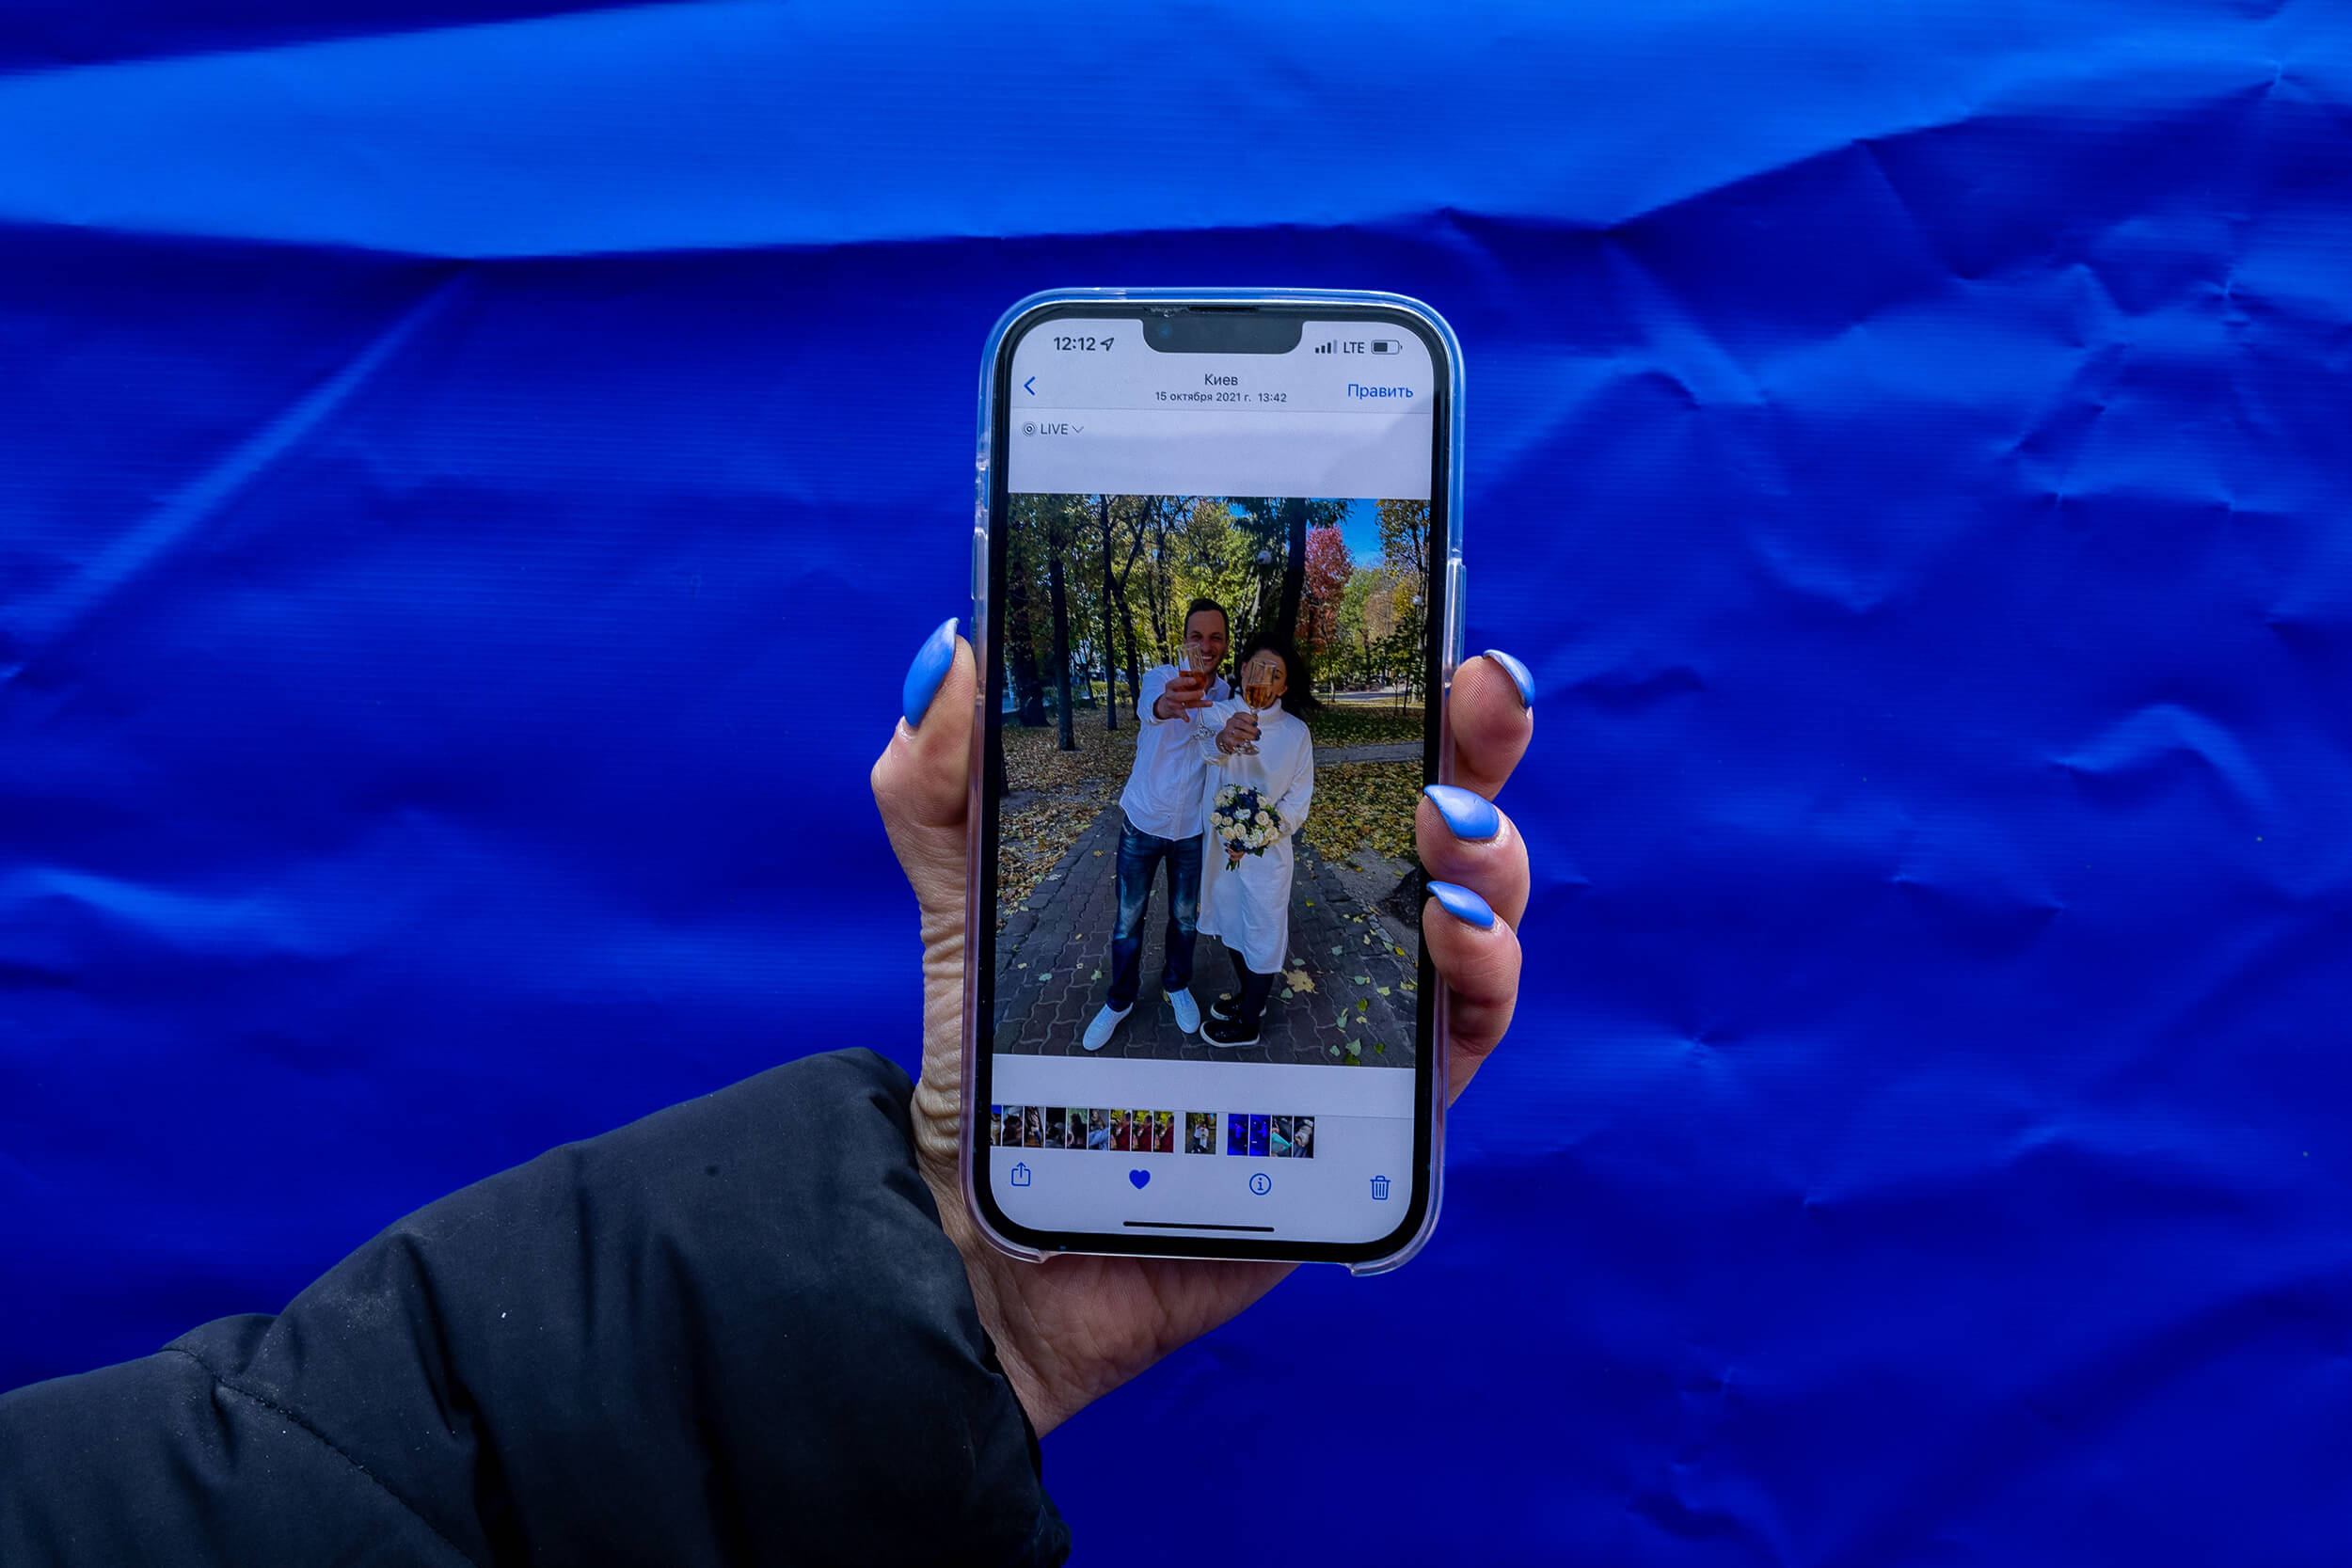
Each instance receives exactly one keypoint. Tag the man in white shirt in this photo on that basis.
(1165, 814)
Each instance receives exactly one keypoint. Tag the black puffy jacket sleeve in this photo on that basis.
(730, 1333)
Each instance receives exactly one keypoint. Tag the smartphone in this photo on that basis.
(1217, 602)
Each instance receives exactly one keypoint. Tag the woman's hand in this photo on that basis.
(1075, 1327)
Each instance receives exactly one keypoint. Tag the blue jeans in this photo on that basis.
(1139, 855)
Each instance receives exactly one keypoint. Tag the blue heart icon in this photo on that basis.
(1138, 1177)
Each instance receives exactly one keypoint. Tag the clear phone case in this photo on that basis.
(1450, 655)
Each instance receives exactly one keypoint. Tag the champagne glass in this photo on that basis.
(1259, 679)
(1199, 662)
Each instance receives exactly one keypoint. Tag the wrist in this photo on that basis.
(997, 1300)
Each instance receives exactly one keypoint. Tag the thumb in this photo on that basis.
(922, 785)
(922, 780)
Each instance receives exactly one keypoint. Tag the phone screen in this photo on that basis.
(1217, 554)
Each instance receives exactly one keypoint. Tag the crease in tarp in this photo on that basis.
(40, 622)
(722, 123)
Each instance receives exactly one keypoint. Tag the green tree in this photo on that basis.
(1405, 556)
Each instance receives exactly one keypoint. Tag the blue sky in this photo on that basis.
(1361, 529)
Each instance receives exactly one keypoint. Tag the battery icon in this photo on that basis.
(1386, 346)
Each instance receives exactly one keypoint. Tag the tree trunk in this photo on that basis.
(1110, 637)
(1061, 637)
(1134, 668)
(1028, 693)
(1294, 568)
(1156, 587)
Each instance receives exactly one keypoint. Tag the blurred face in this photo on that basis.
(1266, 675)
(1206, 629)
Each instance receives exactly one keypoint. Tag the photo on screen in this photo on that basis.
(1158, 894)
(1033, 1127)
(1098, 1129)
(1074, 1129)
(1163, 1132)
(1118, 1131)
(1303, 1138)
(1236, 1133)
(1053, 1126)
(1010, 1136)
(995, 1125)
(1259, 1133)
(1279, 1140)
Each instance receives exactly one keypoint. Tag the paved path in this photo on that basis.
(1402, 750)
(1053, 963)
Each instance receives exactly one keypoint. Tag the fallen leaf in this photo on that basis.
(1364, 979)
(1382, 990)
(1286, 993)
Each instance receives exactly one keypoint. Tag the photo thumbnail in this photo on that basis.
(1207, 745)
(1200, 1132)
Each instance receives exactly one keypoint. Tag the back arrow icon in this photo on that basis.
(1030, 386)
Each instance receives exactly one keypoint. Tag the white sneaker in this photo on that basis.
(1188, 1010)
(1099, 1031)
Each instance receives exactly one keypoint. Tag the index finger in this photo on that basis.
(1492, 712)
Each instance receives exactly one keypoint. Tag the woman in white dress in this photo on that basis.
(1256, 741)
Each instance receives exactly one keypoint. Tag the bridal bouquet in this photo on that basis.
(1243, 823)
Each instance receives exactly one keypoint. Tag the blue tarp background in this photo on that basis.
(470, 489)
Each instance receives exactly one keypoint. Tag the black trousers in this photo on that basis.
(1255, 988)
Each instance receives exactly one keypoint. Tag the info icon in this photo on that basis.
(1262, 1183)
(1380, 1187)
(1020, 1175)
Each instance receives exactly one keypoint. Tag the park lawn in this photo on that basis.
(1034, 761)
(1357, 804)
(1363, 724)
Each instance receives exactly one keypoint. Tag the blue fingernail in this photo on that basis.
(1468, 816)
(932, 660)
(1519, 677)
(1463, 905)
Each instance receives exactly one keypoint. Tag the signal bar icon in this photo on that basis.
(1326, 348)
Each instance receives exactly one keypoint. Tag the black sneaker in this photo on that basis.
(1225, 1031)
(1224, 1008)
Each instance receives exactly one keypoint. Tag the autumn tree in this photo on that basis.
(1405, 556)
(1328, 571)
